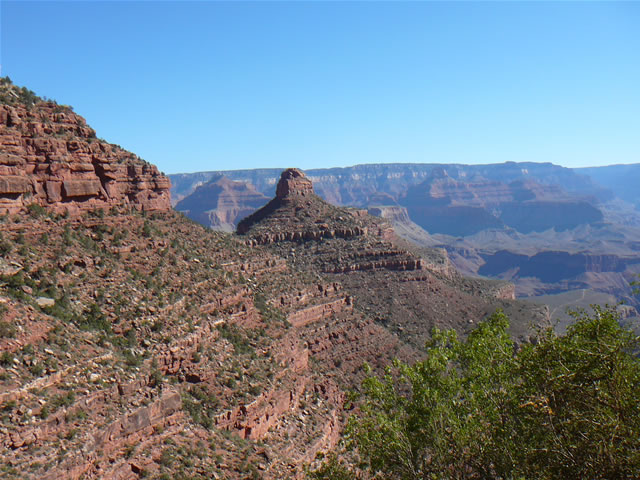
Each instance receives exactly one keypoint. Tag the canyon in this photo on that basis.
(219, 203)
(562, 230)
(137, 343)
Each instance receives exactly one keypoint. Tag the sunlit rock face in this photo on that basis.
(51, 158)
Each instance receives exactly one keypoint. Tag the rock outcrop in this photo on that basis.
(293, 183)
(300, 215)
(51, 158)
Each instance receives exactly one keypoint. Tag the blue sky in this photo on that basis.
(193, 86)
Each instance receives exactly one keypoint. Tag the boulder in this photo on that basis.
(44, 302)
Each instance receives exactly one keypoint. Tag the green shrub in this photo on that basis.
(5, 246)
(7, 330)
(237, 337)
(36, 369)
(201, 405)
(565, 407)
(94, 319)
(333, 469)
(36, 210)
(6, 359)
(146, 229)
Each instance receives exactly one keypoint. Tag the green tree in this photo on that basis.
(579, 401)
(563, 407)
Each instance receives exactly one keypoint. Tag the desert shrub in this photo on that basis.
(36, 210)
(333, 469)
(201, 405)
(146, 229)
(237, 337)
(5, 246)
(7, 330)
(6, 359)
(94, 319)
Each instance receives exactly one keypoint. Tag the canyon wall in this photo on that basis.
(51, 158)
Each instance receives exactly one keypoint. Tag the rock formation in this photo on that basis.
(462, 207)
(147, 346)
(51, 158)
(408, 290)
(293, 183)
(476, 211)
(300, 215)
(356, 185)
(221, 203)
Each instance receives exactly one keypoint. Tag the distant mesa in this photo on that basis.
(461, 207)
(221, 203)
(475, 212)
(50, 157)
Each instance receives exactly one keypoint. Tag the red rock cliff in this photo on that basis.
(50, 157)
(293, 183)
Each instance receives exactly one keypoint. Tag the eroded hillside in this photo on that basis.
(406, 290)
(545, 228)
(138, 344)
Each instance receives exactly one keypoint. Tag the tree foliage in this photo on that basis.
(563, 407)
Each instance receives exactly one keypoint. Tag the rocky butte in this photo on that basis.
(409, 290)
(50, 157)
(554, 232)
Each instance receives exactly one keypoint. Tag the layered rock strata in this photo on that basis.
(49, 157)
(221, 203)
(408, 290)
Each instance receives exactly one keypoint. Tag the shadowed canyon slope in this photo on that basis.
(136, 343)
(221, 203)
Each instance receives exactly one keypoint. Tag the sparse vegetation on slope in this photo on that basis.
(127, 339)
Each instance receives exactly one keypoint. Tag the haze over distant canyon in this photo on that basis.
(563, 236)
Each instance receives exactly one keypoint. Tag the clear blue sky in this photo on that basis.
(194, 86)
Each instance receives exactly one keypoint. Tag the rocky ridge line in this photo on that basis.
(51, 158)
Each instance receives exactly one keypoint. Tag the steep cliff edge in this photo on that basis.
(51, 158)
